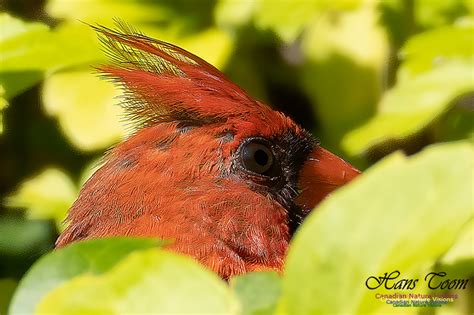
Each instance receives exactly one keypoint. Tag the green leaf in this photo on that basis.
(230, 13)
(74, 44)
(45, 196)
(20, 237)
(15, 83)
(149, 281)
(456, 124)
(258, 292)
(402, 215)
(412, 105)
(27, 50)
(432, 49)
(33, 47)
(147, 15)
(22, 241)
(438, 68)
(19, 42)
(431, 13)
(85, 107)
(56, 268)
(289, 18)
(104, 10)
(22, 44)
(397, 18)
(333, 61)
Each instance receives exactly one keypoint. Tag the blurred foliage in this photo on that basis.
(437, 68)
(367, 77)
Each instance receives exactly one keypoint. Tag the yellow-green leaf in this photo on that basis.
(342, 76)
(85, 107)
(95, 11)
(402, 214)
(86, 257)
(412, 105)
(23, 45)
(148, 281)
(289, 18)
(231, 13)
(432, 49)
(34, 47)
(431, 13)
(45, 196)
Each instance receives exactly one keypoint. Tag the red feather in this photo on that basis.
(180, 176)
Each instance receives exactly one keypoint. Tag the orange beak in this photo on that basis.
(322, 173)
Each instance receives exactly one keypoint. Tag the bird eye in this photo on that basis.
(257, 157)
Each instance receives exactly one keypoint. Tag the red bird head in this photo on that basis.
(224, 176)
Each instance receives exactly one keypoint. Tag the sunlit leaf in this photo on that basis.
(289, 18)
(33, 47)
(258, 292)
(342, 76)
(100, 10)
(402, 214)
(434, 48)
(176, 17)
(27, 50)
(150, 281)
(23, 45)
(75, 44)
(438, 68)
(20, 43)
(85, 107)
(45, 196)
(412, 105)
(231, 13)
(88, 257)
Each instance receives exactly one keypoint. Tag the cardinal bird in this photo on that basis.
(224, 176)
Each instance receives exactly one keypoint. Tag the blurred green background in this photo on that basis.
(366, 77)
